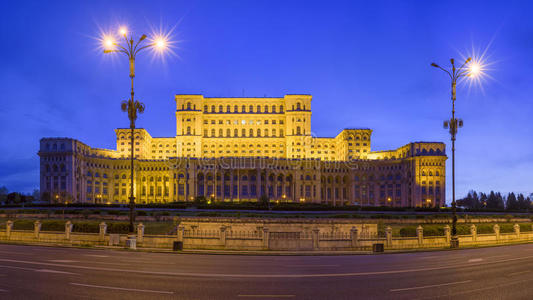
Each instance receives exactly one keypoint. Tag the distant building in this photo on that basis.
(236, 149)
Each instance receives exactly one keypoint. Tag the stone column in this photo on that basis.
(388, 235)
(68, 230)
(103, 230)
(516, 228)
(223, 236)
(447, 233)
(140, 232)
(420, 235)
(496, 228)
(265, 238)
(37, 228)
(473, 232)
(354, 235)
(9, 227)
(316, 238)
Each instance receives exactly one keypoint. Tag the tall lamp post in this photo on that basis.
(133, 107)
(453, 125)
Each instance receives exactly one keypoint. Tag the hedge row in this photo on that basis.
(462, 229)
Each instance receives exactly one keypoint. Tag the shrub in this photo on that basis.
(408, 231)
(53, 225)
(118, 227)
(86, 227)
(433, 230)
(506, 228)
(485, 228)
(142, 213)
(23, 224)
(525, 227)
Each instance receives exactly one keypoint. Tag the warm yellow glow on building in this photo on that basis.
(236, 149)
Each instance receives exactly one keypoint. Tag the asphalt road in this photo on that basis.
(69, 273)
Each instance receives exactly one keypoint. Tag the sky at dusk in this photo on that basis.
(366, 64)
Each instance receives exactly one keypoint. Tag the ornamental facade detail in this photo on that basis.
(237, 149)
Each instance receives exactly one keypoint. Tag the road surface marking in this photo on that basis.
(267, 296)
(2, 290)
(480, 289)
(121, 289)
(62, 261)
(311, 265)
(37, 270)
(429, 286)
(517, 273)
(54, 271)
(475, 260)
(504, 255)
(96, 255)
(222, 275)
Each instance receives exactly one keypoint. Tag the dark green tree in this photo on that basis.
(511, 203)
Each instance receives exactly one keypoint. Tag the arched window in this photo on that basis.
(243, 109)
(251, 108)
(212, 132)
(220, 132)
(281, 108)
(437, 173)
(281, 132)
(236, 109)
(259, 108)
(251, 132)
(220, 108)
(266, 108)
(205, 108)
(188, 130)
(298, 107)
(89, 174)
(258, 132)
(47, 168)
(236, 132)
(96, 174)
(298, 132)
(212, 108)
(62, 168)
(273, 108)
(266, 132)
(123, 176)
(228, 108)
(228, 132)
(273, 132)
(188, 105)
(243, 132)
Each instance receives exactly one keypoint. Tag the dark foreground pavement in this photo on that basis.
(33, 272)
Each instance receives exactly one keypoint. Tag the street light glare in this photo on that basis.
(123, 30)
(108, 42)
(475, 69)
(160, 43)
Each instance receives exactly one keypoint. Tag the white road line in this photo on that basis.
(121, 289)
(267, 296)
(475, 260)
(503, 255)
(62, 261)
(311, 265)
(517, 273)
(54, 271)
(237, 275)
(96, 255)
(2, 290)
(429, 286)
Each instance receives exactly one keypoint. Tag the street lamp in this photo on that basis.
(470, 69)
(133, 107)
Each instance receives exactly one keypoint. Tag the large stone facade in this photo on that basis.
(236, 149)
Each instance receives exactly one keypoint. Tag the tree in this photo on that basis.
(36, 195)
(495, 201)
(483, 199)
(470, 201)
(512, 203)
(523, 203)
(3, 194)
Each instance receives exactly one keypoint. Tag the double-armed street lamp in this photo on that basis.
(131, 48)
(467, 69)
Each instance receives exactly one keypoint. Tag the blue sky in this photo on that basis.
(366, 63)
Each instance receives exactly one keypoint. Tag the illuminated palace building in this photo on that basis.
(237, 149)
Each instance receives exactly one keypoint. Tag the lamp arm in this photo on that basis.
(144, 47)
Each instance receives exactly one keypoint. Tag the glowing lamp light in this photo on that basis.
(108, 42)
(160, 44)
(123, 30)
(475, 69)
